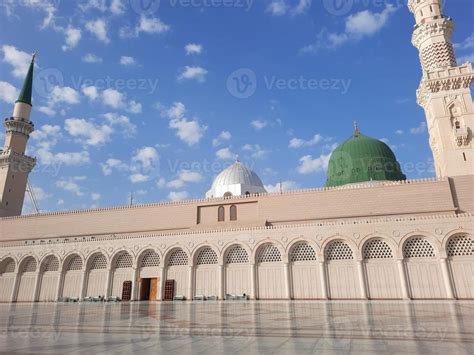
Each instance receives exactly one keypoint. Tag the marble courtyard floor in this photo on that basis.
(277, 327)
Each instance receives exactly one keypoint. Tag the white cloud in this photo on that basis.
(256, 152)
(46, 157)
(91, 92)
(298, 142)
(225, 154)
(357, 26)
(91, 58)
(8, 93)
(137, 178)
(48, 111)
(420, 129)
(46, 6)
(151, 25)
(193, 48)
(72, 38)
(19, 60)
(99, 29)
(189, 131)
(95, 196)
(284, 186)
(193, 73)
(222, 137)
(114, 119)
(309, 165)
(466, 58)
(281, 7)
(87, 132)
(399, 131)
(126, 60)
(113, 164)
(178, 195)
(147, 157)
(117, 7)
(259, 124)
(64, 94)
(70, 186)
(468, 43)
(113, 98)
(185, 176)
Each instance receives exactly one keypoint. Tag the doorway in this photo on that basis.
(127, 291)
(148, 289)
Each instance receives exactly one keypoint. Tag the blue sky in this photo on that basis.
(158, 97)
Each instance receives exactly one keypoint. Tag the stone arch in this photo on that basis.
(343, 238)
(72, 261)
(174, 249)
(196, 253)
(97, 270)
(339, 249)
(149, 254)
(419, 246)
(27, 272)
(277, 244)
(452, 233)
(386, 249)
(25, 260)
(8, 264)
(122, 258)
(93, 256)
(237, 250)
(423, 234)
(460, 244)
(302, 250)
(73, 253)
(49, 263)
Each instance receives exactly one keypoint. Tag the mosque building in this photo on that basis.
(369, 233)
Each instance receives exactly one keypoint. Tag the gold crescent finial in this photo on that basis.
(356, 128)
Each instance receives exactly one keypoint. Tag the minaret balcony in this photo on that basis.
(18, 126)
(461, 136)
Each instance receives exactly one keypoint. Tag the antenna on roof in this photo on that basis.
(34, 200)
(356, 129)
(281, 187)
(130, 202)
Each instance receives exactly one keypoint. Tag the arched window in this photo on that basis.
(233, 213)
(51, 263)
(124, 261)
(75, 263)
(150, 259)
(303, 252)
(98, 262)
(268, 253)
(228, 195)
(237, 255)
(221, 214)
(338, 250)
(178, 257)
(206, 256)
(377, 249)
(418, 247)
(460, 245)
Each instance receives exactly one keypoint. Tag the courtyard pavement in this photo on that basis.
(271, 327)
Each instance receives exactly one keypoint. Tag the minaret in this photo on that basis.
(444, 91)
(15, 166)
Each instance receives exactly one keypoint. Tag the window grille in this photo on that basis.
(237, 255)
(206, 256)
(377, 249)
(29, 265)
(51, 263)
(123, 261)
(74, 263)
(339, 250)
(303, 252)
(99, 262)
(460, 245)
(150, 259)
(8, 266)
(178, 257)
(418, 247)
(268, 253)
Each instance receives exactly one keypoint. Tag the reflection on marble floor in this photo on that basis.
(248, 328)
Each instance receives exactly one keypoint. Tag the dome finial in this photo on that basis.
(237, 158)
(356, 129)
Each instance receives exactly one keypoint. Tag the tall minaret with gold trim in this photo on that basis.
(15, 166)
(444, 91)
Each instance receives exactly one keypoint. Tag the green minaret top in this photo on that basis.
(26, 91)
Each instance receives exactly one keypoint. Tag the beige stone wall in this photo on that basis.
(392, 199)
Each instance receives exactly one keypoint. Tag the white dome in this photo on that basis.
(237, 180)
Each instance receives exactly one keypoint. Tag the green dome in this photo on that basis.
(361, 159)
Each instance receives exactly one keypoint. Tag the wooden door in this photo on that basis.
(153, 289)
(127, 291)
(169, 290)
